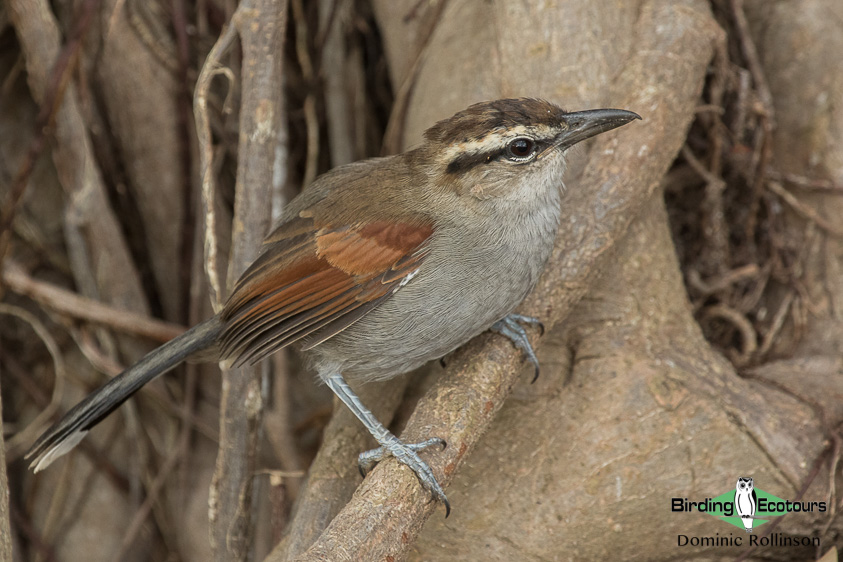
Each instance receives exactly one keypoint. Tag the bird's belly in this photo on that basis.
(437, 311)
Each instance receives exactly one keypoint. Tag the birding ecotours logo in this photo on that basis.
(746, 506)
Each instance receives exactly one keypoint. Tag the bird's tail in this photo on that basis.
(68, 431)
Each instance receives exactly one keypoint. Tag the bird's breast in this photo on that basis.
(471, 278)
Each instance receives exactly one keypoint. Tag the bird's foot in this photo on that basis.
(510, 326)
(407, 454)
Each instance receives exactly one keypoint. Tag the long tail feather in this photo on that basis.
(69, 431)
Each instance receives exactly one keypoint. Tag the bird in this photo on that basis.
(382, 265)
(745, 501)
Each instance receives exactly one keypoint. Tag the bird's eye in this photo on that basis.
(521, 149)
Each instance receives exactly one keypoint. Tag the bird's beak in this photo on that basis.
(582, 125)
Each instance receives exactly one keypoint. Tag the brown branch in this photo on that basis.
(183, 110)
(715, 229)
(724, 281)
(280, 428)
(210, 69)
(16, 444)
(261, 25)
(78, 307)
(753, 61)
(764, 135)
(5, 526)
(53, 94)
(153, 495)
(99, 255)
(333, 474)
(749, 337)
(308, 70)
(777, 323)
(805, 210)
(23, 379)
(808, 184)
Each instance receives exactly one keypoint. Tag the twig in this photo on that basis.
(210, 69)
(281, 435)
(741, 103)
(308, 71)
(153, 494)
(183, 107)
(747, 301)
(42, 551)
(776, 325)
(159, 45)
(53, 94)
(749, 337)
(719, 80)
(5, 523)
(99, 255)
(763, 143)
(724, 281)
(325, 30)
(279, 502)
(261, 26)
(715, 228)
(92, 350)
(814, 184)
(78, 307)
(23, 379)
(752, 60)
(15, 444)
(803, 209)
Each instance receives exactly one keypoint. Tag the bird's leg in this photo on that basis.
(510, 326)
(390, 446)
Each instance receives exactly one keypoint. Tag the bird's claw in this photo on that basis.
(407, 454)
(510, 326)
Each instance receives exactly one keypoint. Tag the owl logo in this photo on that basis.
(745, 501)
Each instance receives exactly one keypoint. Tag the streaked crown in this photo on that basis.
(486, 118)
(515, 131)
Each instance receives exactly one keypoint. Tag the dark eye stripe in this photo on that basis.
(465, 162)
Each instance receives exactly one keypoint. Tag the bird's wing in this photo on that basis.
(314, 280)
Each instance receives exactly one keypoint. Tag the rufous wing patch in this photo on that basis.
(371, 249)
(316, 281)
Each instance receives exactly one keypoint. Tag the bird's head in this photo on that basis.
(511, 148)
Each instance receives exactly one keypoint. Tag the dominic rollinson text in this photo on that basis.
(775, 539)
